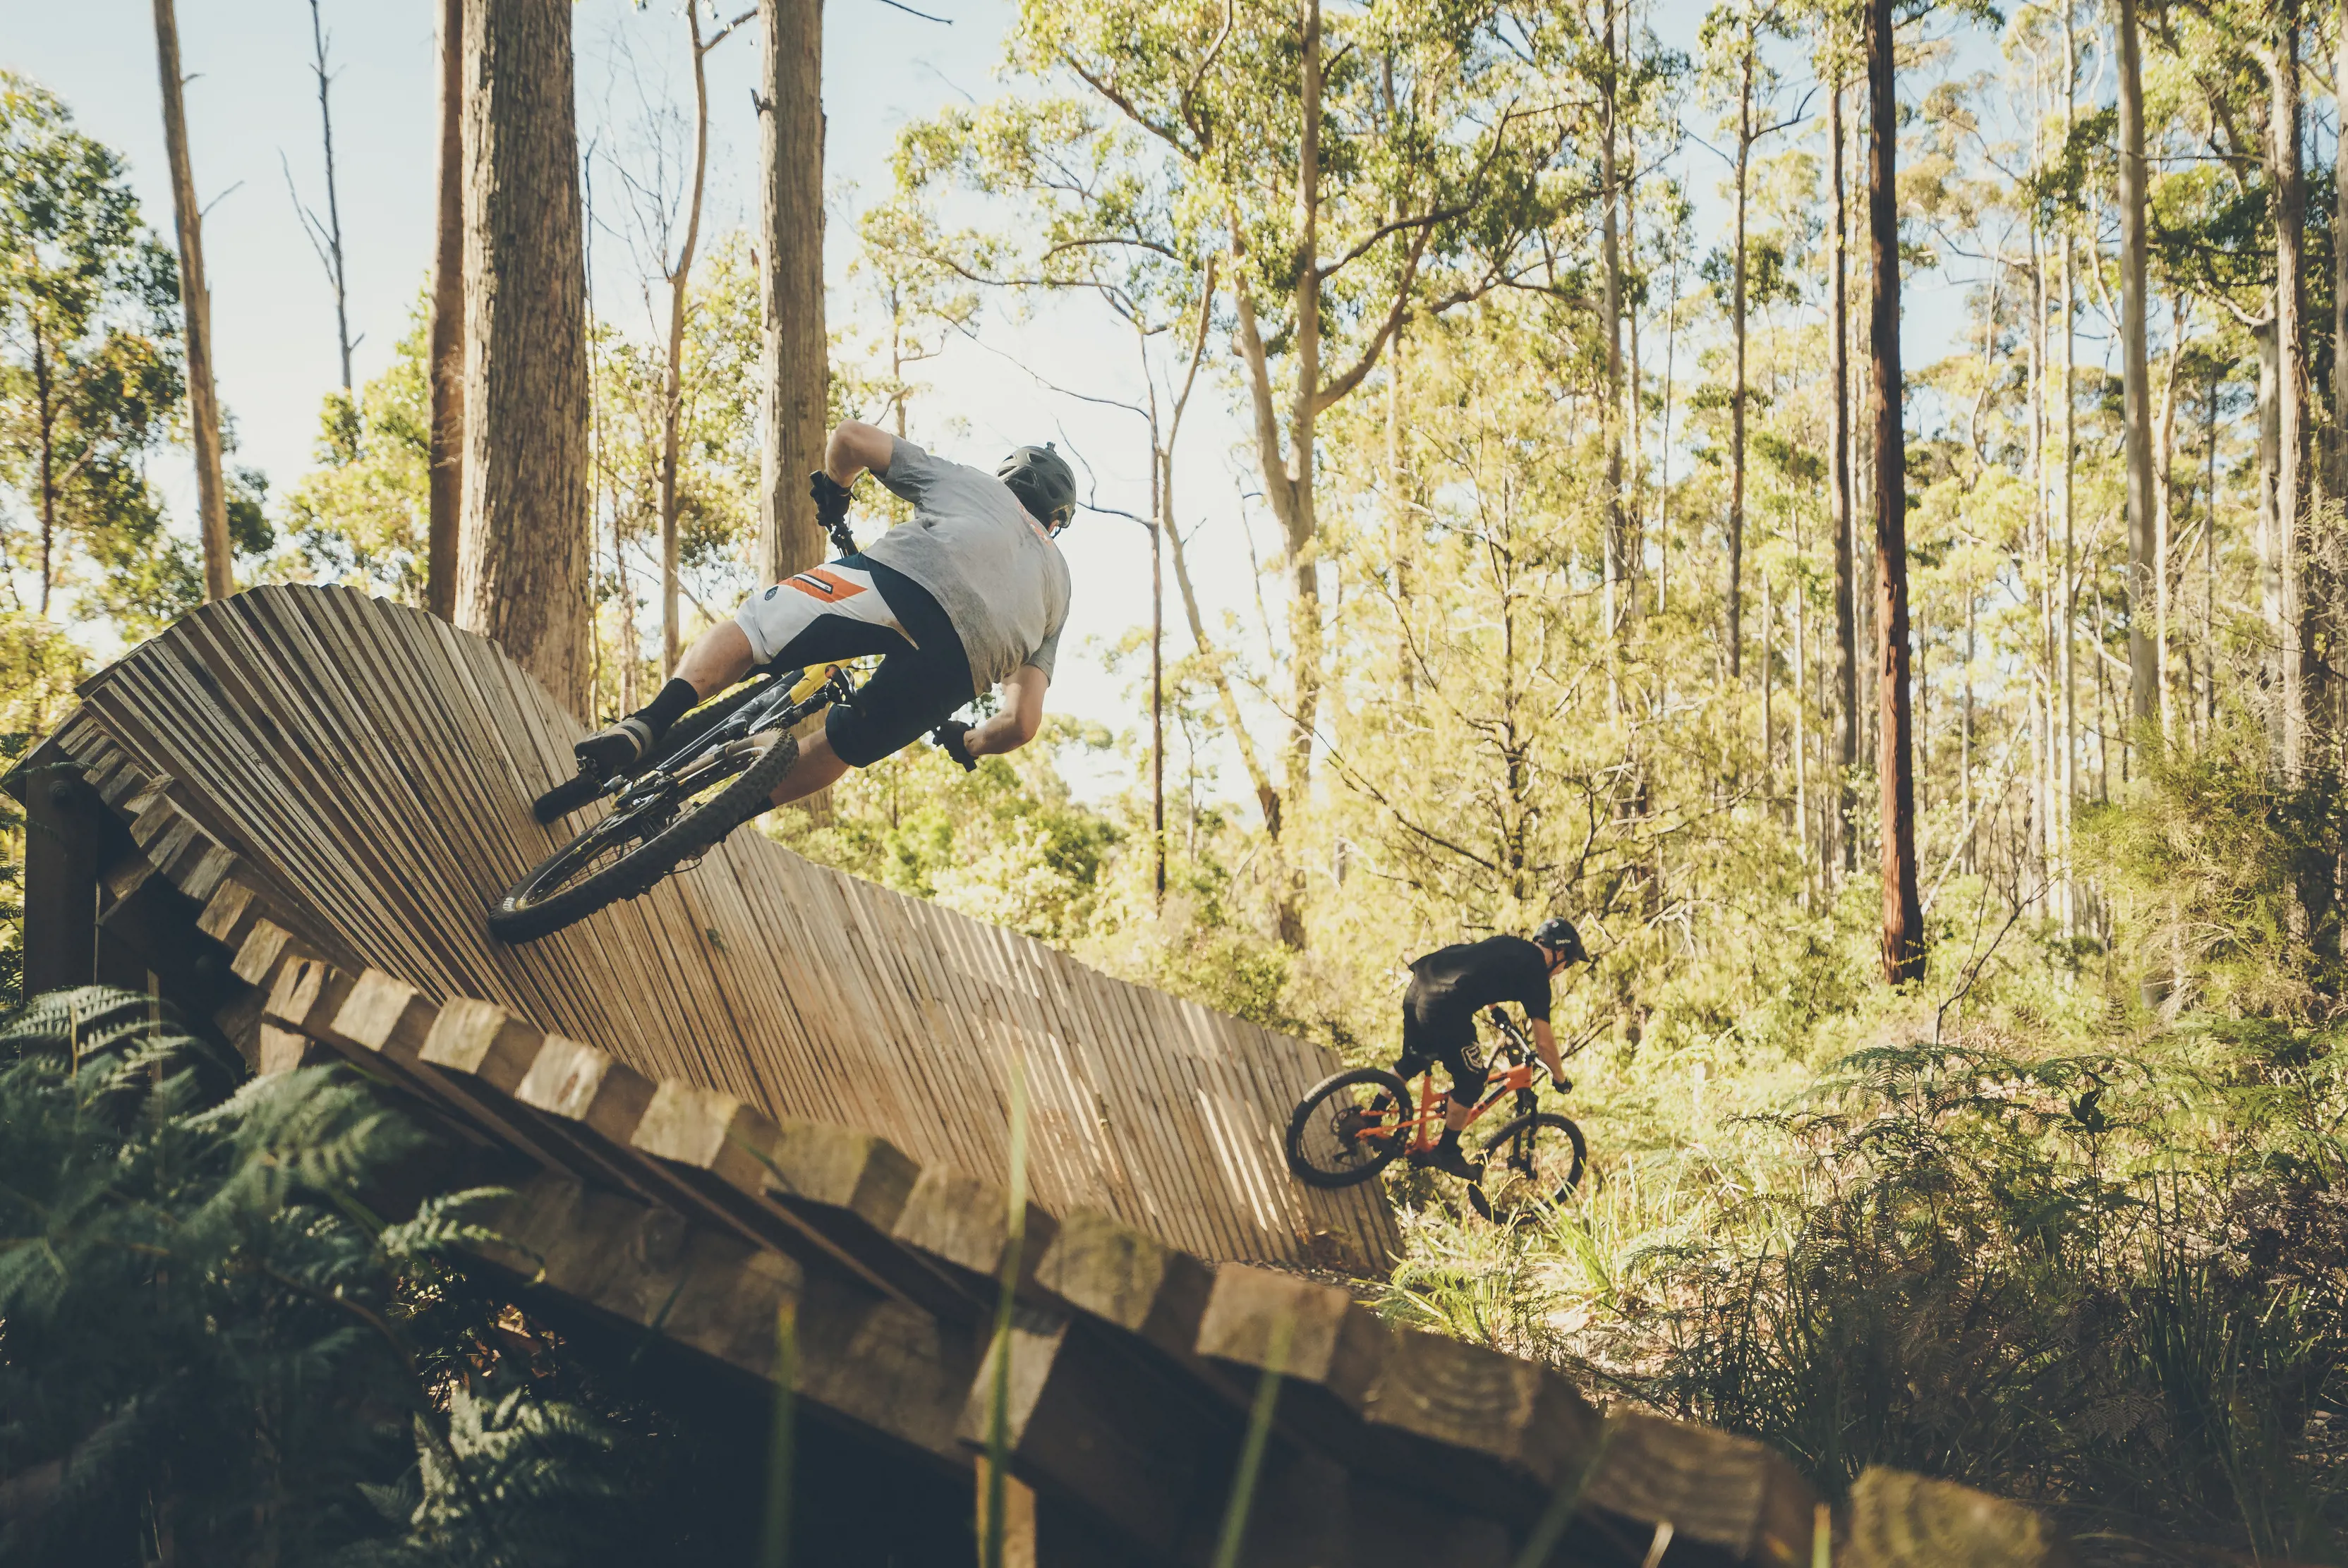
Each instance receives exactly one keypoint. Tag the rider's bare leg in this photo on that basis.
(1457, 1113)
(819, 768)
(718, 657)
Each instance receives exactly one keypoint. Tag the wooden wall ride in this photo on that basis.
(371, 767)
(651, 1198)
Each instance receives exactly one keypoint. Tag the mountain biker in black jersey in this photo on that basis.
(1448, 986)
(970, 593)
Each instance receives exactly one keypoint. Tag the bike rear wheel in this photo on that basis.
(1348, 1128)
(629, 851)
(1530, 1164)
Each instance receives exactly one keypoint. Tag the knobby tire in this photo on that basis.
(1549, 1132)
(1304, 1159)
(522, 915)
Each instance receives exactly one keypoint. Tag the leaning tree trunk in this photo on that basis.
(2144, 562)
(522, 559)
(446, 491)
(195, 299)
(795, 366)
(1903, 914)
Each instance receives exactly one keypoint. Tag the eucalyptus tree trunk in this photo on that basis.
(2146, 565)
(1619, 592)
(196, 300)
(1903, 916)
(794, 372)
(680, 284)
(2287, 179)
(522, 562)
(1736, 393)
(1846, 596)
(446, 488)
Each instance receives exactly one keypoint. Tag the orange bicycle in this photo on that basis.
(1354, 1124)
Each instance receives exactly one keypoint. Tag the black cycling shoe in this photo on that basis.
(615, 749)
(1450, 1159)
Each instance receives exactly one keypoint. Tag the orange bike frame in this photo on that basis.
(1422, 1126)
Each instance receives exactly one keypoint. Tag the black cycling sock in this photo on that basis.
(667, 708)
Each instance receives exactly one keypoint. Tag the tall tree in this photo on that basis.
(2287, 184)
(522, 555)
(679, 276)
(195, 299)
(796, 373)
(1903, 914)
(446, 368)
(1838, 483)
(326, 233)
(2135, 371)
(1620, 595)
(88, 378)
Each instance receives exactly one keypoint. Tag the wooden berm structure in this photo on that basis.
(770, 1094)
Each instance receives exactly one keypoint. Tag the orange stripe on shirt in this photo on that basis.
(829, 587)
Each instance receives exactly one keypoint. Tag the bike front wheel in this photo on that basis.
(657, 825)
(1348, 1128)
(1531, 1162)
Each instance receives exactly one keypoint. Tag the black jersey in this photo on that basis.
(1451, 985)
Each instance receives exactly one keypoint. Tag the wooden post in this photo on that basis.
(61, 877)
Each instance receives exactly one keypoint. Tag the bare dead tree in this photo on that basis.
(327, 234)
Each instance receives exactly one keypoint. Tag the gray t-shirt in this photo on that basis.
(997, 574)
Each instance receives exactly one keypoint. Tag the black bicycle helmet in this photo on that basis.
(1043, 482)
(1557, 932)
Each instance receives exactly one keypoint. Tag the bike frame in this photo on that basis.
(1426, 1125)
(785, 706)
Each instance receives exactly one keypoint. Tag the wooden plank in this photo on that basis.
(1901, 1520)
(1491, 1434)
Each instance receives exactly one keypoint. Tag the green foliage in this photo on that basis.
(2229, 869)
(89, 372)
(362, 517)
(211, 1342)
(1005, 843)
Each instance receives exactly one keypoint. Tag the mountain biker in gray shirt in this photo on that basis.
(970, 594)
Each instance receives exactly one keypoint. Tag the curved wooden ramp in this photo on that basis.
(368, 769)
(650, 1198)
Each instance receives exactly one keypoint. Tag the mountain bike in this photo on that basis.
(1356, 1124)
(714, 771)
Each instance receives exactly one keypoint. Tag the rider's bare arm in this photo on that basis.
(855, 446)
(1021, 717)
(1546, 1044)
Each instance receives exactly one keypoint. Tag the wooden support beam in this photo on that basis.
(726, 1148)
(1127, 1277)
(1490, 1435)
(966, 1224)
(1901, 1520)
(64, 851)
(1717, 1490)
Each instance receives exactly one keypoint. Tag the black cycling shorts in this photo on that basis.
(1426, 1042)
(822, 614)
